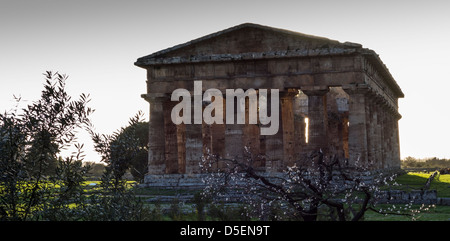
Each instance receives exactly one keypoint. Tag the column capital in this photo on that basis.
(289, 93)
(153, 97)
(315, 90)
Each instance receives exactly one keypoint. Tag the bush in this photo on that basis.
(126, 149)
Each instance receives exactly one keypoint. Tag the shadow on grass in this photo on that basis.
(417, 180)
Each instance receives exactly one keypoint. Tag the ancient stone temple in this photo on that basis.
(336, 97)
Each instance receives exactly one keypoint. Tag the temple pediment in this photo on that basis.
(250, 41)
(244, 41)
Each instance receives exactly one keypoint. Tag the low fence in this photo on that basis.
(414, 197)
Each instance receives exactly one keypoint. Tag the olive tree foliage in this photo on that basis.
(318, 187)
(30, 141)
(37, 183)
(125, 149)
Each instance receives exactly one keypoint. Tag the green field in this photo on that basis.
(186, 210)
(436, 213)
(407, 182)
(416, 181)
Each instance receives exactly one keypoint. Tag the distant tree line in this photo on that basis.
(96, 170)
(434, 162)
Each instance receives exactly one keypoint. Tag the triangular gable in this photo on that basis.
(247, 38)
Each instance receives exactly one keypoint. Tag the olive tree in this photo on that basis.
(30, 141)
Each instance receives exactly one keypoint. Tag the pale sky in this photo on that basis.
(96, 42)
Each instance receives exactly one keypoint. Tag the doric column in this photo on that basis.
(194, 145)
(218, 143)
(234, 146)
(371, 125)
(377, 133)
(318, 120)
(287, 124)
(383, 134)
(207, 144)
(181, 140)
(251, 137)
(388, 138)
(171, 140)
(357, 130)
(156, 149)
(396, 141)
(274, 143)
(214, 141)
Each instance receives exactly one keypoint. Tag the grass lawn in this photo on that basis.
(407, 182)
(436, 213)
(416, 181)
